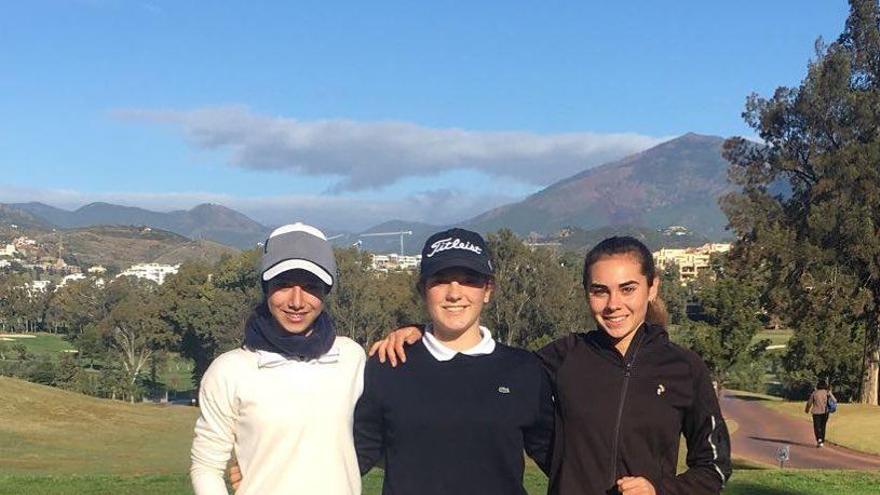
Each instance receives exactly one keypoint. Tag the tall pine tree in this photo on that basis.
(808, 211)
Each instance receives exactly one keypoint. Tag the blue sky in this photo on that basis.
(347, 114)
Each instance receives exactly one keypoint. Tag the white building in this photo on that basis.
(394, 261)
(690, 261)
(5, 263)
(97, 270)
(38, 286)
(70, 278)
(150, 271)
(24, 241)
(8, 250)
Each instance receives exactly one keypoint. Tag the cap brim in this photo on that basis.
(306, 265)
(469, 263)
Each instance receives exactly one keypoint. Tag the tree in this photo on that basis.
(730, 322)
(674, 295)
(366, 304)
(808, 208)
(206, 307)
(77, 304)
(538, 294)
(134, 329)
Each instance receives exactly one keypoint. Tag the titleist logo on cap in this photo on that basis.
(450, 243)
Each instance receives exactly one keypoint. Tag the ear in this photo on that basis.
(490, 288)
(654, 289)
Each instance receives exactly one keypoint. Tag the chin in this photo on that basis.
(617, 333)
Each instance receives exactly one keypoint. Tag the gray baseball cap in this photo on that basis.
(298, 246)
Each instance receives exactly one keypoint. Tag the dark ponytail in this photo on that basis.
(630, 246)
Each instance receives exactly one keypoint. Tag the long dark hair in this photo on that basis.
(630, 246)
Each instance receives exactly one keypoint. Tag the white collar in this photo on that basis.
(441, 352)
(266, 359)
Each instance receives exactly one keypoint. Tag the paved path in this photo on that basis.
(762, 430)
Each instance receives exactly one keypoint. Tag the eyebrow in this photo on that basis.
(623, 284)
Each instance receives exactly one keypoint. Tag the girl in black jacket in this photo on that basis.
(625, 394)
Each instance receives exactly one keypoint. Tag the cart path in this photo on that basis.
(762, 430)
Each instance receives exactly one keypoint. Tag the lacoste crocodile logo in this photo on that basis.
(503, 390)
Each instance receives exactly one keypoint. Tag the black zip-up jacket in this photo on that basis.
(623, 416)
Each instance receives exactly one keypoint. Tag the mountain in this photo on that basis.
(577, 239)
(677, 182)
(206, 221)
(221, 224)
(121, 246)
(10, 216)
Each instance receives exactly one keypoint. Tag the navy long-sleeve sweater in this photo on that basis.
(457, 426)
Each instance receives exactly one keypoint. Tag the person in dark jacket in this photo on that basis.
(625, 394)
(457, 418)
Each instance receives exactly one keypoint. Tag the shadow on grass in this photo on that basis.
(752, 398)
(756, 489)
(782, 441)
(740, 464)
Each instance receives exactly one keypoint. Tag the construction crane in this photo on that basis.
(401, 234)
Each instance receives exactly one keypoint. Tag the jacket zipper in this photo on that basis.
(614, 447)
(626, 374)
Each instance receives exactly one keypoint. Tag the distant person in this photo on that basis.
(283, 403)
(625, 394)
(817, 405)
(456, 419)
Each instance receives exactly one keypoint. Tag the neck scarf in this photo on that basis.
(263, 333)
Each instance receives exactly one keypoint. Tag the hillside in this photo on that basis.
(45, 429)
(674, 183)
(120, 247)
(581, 240)
(206, 251)
(11, 216)
(206, 221)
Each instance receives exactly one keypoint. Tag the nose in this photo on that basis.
(613, 300)
(296, 297)
(453, 292)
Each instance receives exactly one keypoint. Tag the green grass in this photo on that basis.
(44, 430)
(60, 443)
(853, 425)
(744, 482)
(776, 337)
(175, 373)
(40, 344)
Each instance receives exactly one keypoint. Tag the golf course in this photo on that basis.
(54, 442)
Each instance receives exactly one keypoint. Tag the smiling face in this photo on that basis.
(296, 298)
(454, 298)
(618, 294)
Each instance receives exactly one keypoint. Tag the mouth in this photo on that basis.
(295, 317)
(614, 321)
(455, 309)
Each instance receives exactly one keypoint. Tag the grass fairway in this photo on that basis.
(856, 426)
(44, 430)
(744, 482)
(39, 344)
(59, 443)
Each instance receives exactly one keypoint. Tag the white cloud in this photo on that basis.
(368, 155)
(327, 211)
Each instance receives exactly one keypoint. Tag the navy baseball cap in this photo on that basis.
(455, 248)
